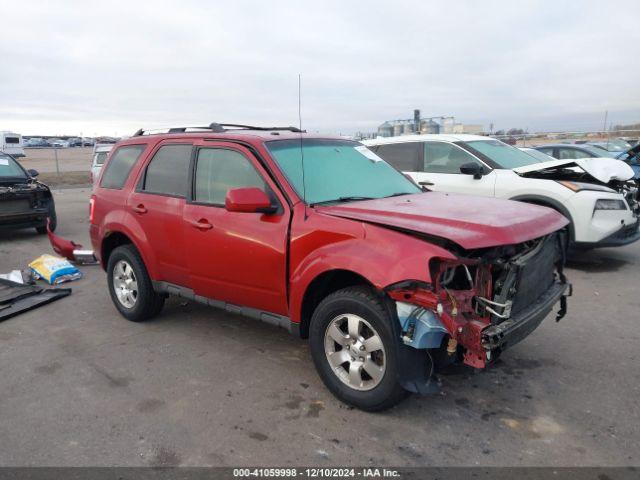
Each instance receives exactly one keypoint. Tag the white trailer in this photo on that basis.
(11, 144)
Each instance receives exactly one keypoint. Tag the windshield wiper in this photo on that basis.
(399, 194)
(353, 198)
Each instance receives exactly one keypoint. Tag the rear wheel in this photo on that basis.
(130, 287)
(354, 349)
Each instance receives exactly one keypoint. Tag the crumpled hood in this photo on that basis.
(470, 221)
(602, 169)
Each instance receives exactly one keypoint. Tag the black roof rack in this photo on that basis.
(220, 128)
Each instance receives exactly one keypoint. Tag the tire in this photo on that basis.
(52, 217)
(145, 303)
(357, 388)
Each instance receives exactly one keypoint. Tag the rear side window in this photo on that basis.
(168, 171)
(404, 156)
(14, 140)
(547, 151)
(219, 170)
(118, 169)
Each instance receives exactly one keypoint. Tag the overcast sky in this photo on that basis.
(112, 67)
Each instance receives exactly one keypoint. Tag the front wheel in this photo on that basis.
(354, 349)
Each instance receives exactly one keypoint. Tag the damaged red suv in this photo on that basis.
(322, 237)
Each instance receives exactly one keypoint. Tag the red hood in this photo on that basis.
(469, 221)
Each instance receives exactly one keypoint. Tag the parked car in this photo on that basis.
(11, 144)
(100, 155)
(632, 158)
(323, 237)
(58, 143)
(37, 142)
(24, 202)
(75, 142)
(88, 142)
(593, 194)
(564, 151)
(613, 146)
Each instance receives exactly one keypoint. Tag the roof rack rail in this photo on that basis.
(218, 128)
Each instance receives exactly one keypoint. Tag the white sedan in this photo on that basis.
(594, 194)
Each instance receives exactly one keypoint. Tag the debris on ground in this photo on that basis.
(71, 250)
(54, 270)
(19, 276)
(13, 275)
(16, 298)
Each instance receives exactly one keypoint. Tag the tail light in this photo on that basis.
(92, 206)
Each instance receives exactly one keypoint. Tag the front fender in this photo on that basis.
(381, 256)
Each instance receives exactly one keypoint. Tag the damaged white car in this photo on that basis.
(597, 195)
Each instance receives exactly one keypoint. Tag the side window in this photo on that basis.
(168, 171)
(441, 157)
(120, 165)
(219, 170)
(547, 151)
(572, 154)
(403, 156)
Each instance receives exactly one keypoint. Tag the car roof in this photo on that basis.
(462, 137)
(258, 136)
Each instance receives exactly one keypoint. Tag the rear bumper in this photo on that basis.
(508, 333)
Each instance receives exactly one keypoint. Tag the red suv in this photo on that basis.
(319, 235)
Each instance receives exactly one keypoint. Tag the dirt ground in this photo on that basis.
(76, 159)
(81, 386)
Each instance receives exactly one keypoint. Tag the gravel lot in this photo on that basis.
(81, 386)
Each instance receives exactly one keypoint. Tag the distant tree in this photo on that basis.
(499, 132)
(515, 131)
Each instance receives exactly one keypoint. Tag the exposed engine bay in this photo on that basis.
(485, 301)
(601, 178)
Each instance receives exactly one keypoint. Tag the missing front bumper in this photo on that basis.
(508, 333)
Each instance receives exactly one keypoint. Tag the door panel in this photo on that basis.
(158, 204)
(235, 257)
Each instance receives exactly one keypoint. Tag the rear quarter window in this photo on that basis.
(404, 156)
(120, 165)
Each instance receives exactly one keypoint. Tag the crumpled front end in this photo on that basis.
(24, 204)
(484, 302)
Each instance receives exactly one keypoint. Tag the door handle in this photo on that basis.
(201, 224)
(140, 209)
(426, 183)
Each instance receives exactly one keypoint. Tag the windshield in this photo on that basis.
(9, 168)
(337, 170)
(100, 157)
(505, 156)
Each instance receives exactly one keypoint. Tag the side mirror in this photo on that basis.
(33, 173)
(472, 168)
(248, 200)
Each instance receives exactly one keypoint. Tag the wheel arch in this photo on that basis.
(323, 285)
(550, 203)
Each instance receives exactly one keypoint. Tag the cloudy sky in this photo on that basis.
(111, 67)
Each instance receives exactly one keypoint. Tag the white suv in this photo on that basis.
(594, 194)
